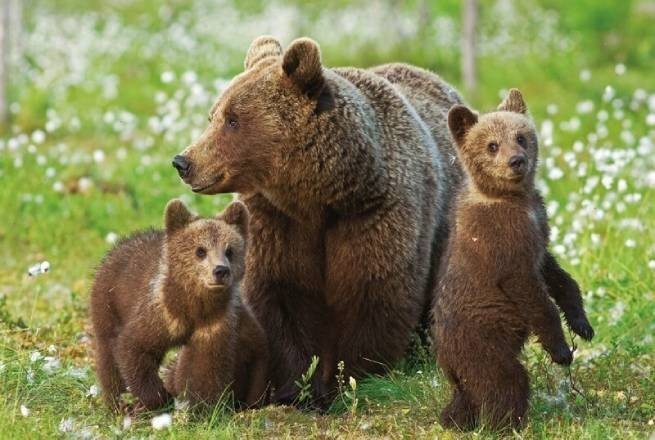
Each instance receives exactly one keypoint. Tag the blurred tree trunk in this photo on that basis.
(16, 30)
(4, 58)
(469, 23)
(425, 15)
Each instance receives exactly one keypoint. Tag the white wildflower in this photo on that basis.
(66, 425)
(51, 364)
(585, 75)
(167, 77)
(555, 173)
(111, 237)
(98, 156)
(584, 107)
(25, 411)
(616, 312)
(84, 184)
(93, 391)
(608, 93)
(127, 423)
(620, 69)
(38, 136)
(162, 421)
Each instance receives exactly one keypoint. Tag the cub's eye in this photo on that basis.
(228, 253)
(520, 139)
(232, 123)
(201, 252)
(492, 147)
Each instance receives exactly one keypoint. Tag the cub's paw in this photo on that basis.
(562, 355)
(581, 327)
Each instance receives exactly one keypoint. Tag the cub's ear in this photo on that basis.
(262, 47)
(236, 214)
(177, 215)
(302, 64)
(514, 102)
(460, 121)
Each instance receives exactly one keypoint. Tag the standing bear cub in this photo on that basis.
(179, 287)
(495, 278)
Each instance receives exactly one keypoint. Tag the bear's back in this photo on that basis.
(123, 278)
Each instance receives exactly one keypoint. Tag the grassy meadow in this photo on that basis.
(104, 93)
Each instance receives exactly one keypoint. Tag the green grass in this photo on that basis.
(60, 204)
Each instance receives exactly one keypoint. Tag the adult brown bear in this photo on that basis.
(348, 175)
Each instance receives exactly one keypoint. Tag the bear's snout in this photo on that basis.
(182, 165)
(221, 274)
(517, 163)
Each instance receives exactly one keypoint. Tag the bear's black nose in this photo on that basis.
(221, 272)
(516, 162)
(182, 165)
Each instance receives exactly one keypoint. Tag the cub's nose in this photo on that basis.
(517, 162)
(221, 273)
(182, 165)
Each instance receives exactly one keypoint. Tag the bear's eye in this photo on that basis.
(201, 252)
(229, 253)
(492, 147)
(232, 122)
(520, 139)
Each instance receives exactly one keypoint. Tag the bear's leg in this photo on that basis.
(292, 319)
(110, 378)
(532, 301)
(460, 413)
(139, 367)
(502, 392)
(258, 386)
(566, 293)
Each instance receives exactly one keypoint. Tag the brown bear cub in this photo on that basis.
(161, 289)
(495, 278)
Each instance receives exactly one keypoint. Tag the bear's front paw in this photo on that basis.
(562, 355)
(582, 328)
(156, 399)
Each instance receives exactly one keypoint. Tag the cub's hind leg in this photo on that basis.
(110, 378)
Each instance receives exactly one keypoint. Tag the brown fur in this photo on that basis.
(348, 175)
(492, 293)
(157, 290)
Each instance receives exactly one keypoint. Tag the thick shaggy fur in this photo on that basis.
(348, 175)
(157, 290)
(492, 291)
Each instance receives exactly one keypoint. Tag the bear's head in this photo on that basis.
(255, 124)
(499, 149)
(205, 254)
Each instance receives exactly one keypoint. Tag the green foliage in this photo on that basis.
(304, 384)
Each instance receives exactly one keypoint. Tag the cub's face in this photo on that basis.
(205, 254)
(255, 122)
(499, 150)
(501, 146)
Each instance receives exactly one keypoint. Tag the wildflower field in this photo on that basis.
(103, 94)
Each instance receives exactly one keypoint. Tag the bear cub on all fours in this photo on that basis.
(160, 289)
(497, 275)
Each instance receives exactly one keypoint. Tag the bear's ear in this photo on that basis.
(460, 121)
(514, 102)
(177, 215)
(236, 214)
(261, 48)
(302, 64)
